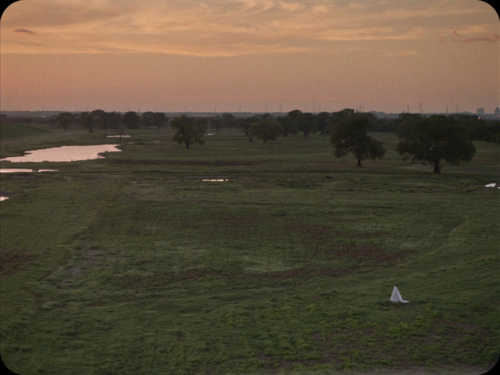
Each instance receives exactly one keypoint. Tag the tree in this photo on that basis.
(349, 136)
(189, 130)
(101, 118)
(147, 119)
(294, 114)
(433, 139)
(307, 123)
(294, 120)
(159, 119)
(114, 121)
(322, 121)
(228, 120)
(216, 123)
(289, 125)
(87, 120)
(131, 120)
(267, 130)
(245, 126)
(339, 116)
(65, 120)
(266, 116)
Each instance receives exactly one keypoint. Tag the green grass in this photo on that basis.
(13, 131)
(132, 264)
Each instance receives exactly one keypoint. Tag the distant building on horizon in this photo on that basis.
(497, 112)
(480, 111)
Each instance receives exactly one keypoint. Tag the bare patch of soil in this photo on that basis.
(365, 252)
(25, 177)
(319, 231)
(196, 274)
(183, 162)
(12, 262)
(4, 193)
(304, 273)
(235, 221)
(77, 269)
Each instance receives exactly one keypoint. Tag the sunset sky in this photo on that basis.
(250, 55)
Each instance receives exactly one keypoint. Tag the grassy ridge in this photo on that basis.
(13, 131)
(132, 264)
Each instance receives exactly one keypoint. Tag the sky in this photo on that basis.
(250, 55)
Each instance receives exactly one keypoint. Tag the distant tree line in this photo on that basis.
(427, 140)
(293, 123)
(424, 139)
(110, 120)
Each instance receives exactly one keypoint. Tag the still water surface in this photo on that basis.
(64, 153)
(24, 170)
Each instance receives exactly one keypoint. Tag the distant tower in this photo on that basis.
(497, 112)
(420, 108)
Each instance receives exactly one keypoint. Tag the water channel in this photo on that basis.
(64, 154)
(24, 170)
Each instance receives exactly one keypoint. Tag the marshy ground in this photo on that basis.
(134, 264)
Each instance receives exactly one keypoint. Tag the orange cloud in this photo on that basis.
(227, 27)
(24, 31)
(458, 37)
(488, 38)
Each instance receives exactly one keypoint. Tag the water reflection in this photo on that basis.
(64, 153)
(24, 170)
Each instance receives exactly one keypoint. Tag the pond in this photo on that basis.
(64, 153)
(24, 170)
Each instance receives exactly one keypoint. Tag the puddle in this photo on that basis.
(3, 198)
(24, 170)
(64, 153)
(216, 179)
(118, 136)
(491, 185)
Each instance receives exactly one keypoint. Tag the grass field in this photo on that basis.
(133, 265)
(13, 131)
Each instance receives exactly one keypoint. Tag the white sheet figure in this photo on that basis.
(396, 296)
